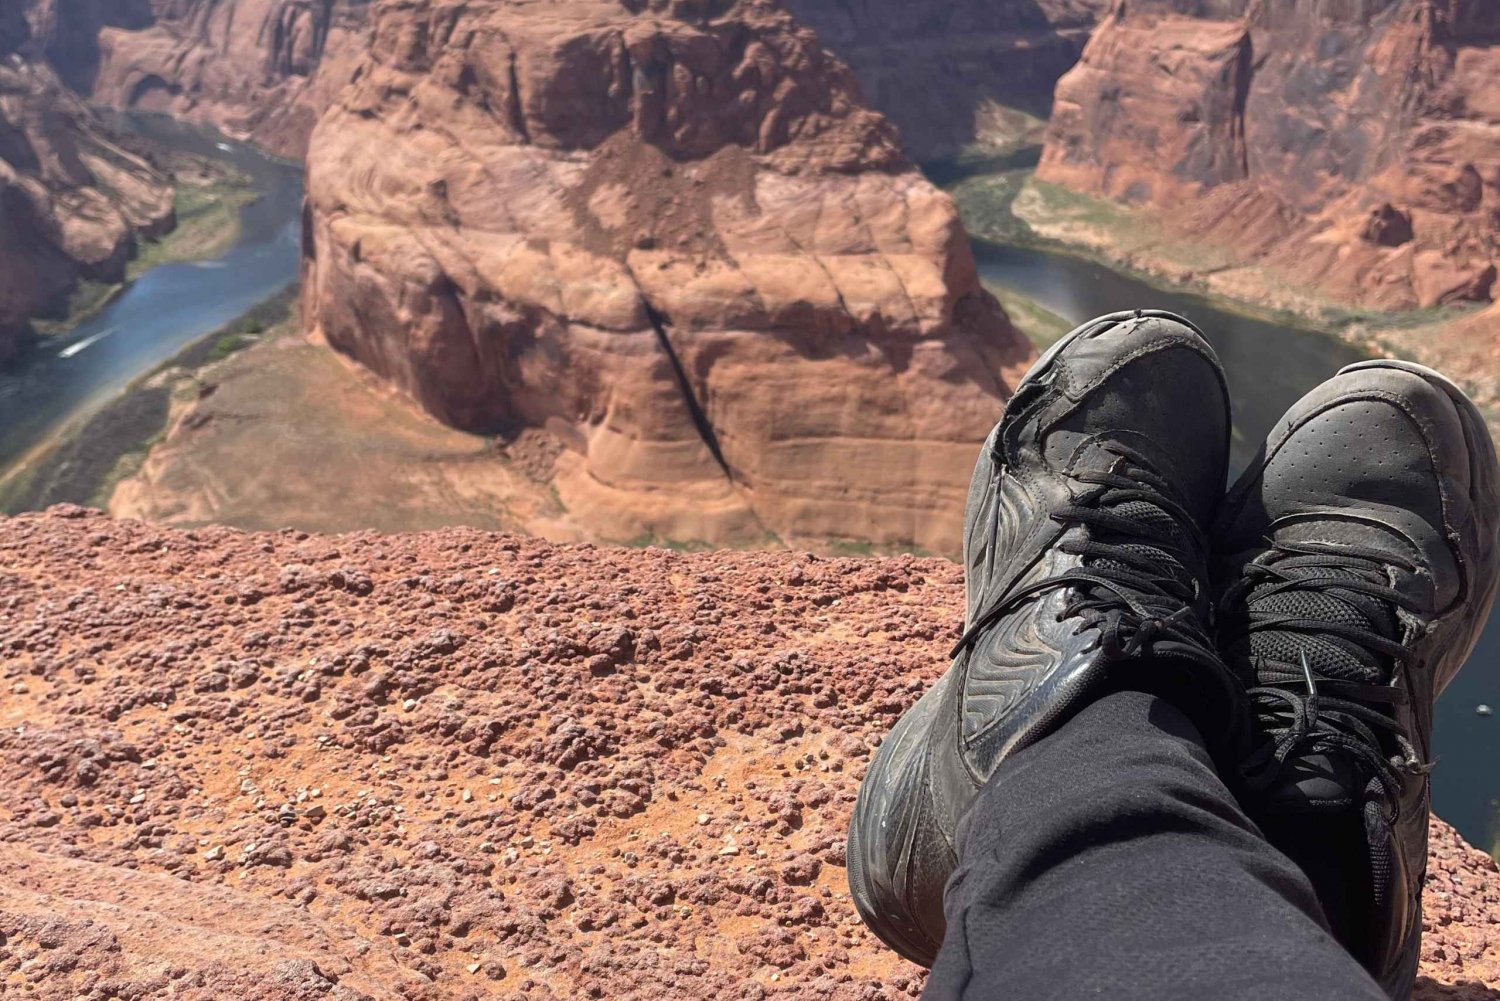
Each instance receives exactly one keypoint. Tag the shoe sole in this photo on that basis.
(876, 805)
(878, 796)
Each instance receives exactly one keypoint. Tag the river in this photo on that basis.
(165, 309)
(1270, 366)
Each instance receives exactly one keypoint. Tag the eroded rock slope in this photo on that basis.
(672, 236)
(1351, 147)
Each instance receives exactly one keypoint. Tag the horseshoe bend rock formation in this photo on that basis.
(673, 238)
(1354, 146)
(462, 766)
(71, 201)
(265, 69)
(939, 71)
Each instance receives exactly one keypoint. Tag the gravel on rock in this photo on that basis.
(461, 765)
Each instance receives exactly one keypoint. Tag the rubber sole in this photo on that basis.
(874, 806)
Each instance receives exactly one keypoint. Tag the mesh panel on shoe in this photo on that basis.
(1328, 656)
(1159, 520)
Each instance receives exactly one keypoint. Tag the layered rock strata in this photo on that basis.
(672, 236)
(1353, 147)
(262, 69)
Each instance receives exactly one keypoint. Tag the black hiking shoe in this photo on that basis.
(1086, 571)
(1357, 563)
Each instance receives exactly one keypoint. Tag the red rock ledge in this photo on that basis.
(461, 765)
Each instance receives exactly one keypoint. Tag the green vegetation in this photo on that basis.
(208, 223)
(986, 203)
(235, 335)
(97, 451)
(93, 455)
(86, 299)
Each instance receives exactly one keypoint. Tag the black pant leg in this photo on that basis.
(1109, 860)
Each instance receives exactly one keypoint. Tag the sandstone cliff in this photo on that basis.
(445, 767)
(263, 69)
(673, 238)
(941, 71)
(71, 201)
(1353, 147)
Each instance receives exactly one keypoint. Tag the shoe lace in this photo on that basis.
(1301, 709)
(1133, 580)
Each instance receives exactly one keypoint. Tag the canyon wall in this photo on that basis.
(71, 201)
(673, 238)
(267, 69)
(262, 69)
(1347, 145)
(941, 71)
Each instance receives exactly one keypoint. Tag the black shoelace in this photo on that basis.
(1131, 583)
(1303, 710)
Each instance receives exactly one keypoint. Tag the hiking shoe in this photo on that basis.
(1085, 572)
(1356, 560)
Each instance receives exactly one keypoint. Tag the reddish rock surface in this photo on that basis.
(462, 765)
(1273, 130)
(262, 69)
(673, 238)
(939, 71)
(71, 200)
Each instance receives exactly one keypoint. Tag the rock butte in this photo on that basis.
(461, 765)
(71, 201)
(675, 239)
(1352, 147)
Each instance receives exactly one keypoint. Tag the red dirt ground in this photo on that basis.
(462, 765)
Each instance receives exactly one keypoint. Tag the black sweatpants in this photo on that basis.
(1109, 860)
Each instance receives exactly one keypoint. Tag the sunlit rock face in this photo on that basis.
(1351, 144)
(674, 237)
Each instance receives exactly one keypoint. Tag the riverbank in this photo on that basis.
(236, 244)
(207, 206)
(1005, 204)
(87, 458)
